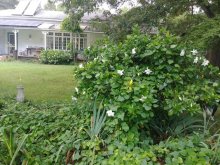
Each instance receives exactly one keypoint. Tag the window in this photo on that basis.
(50, 40)
(80, 41)
(60, 41)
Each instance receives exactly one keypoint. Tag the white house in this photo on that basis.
(28, 30)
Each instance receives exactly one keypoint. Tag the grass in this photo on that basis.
(41, 82)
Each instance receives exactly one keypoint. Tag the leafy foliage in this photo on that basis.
(8, 4)
(55, 57)
(50, 6)
(69, 24)
(164, 127)
(49, 126)
(120, 73)
(206, 35)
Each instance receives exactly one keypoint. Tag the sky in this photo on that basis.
(104, 6)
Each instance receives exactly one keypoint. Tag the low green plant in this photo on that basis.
(55, 57)
(49, 125)
(97, 121)
(9, 140)
(2, 103)
(163, 126)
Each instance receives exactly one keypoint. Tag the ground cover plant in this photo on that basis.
(48, 126)
(41, 82)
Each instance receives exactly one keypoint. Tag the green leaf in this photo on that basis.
(190, 75)
(18, 148)
(180, 160)
(148, 53)
(170, 61)
(146, 107)
(130, 137)
(113, 107)
(88, 76)
(120, 98)
(144, 115)
(172, 46)
(125, 126)
(76, 156)
(177, 65)
(121, 116)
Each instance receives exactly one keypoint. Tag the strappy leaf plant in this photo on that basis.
(97, 120)
(9, 140)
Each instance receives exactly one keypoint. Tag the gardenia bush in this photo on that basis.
(55, 57)
(145, 75)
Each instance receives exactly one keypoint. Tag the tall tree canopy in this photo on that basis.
(198, 28)
(8, 4)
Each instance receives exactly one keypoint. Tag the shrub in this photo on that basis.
(55, 57)
(144, 75)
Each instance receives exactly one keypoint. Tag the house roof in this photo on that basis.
(54, 16)
(22, 17)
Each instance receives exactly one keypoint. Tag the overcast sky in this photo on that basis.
(104, 6)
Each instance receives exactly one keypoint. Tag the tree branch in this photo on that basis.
(206, 8)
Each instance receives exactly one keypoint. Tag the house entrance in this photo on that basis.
(11, 42)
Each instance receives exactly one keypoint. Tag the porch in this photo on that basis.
(20, 57)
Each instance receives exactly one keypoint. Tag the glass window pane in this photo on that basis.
(58, 34)
(64, 43)
(56, 43)
(50, 42)
(66, 34)
(60, 43)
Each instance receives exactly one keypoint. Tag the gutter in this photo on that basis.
(32, 19)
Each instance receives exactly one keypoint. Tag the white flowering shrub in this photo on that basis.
(147, 74)
(55, 57)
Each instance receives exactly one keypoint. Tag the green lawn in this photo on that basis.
(41, 82)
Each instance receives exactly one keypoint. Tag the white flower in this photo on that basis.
(147, 71)
(142, 98)
(110, 113)
(77, 90)
(74, 99)
(95, 59)
(194, 52)
(133, 51)
(205, 62)
(84, 92)
(81, 66)
(120, 72)
(195, 60)
(182, 52)
(88, 47)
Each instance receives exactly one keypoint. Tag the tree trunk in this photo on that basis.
(213, 55)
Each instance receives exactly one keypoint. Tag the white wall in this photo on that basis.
(2, 42)
(37, 39)
(93, 36)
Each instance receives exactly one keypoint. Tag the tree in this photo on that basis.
(8, 4)
(50, 6)
(157, 13)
